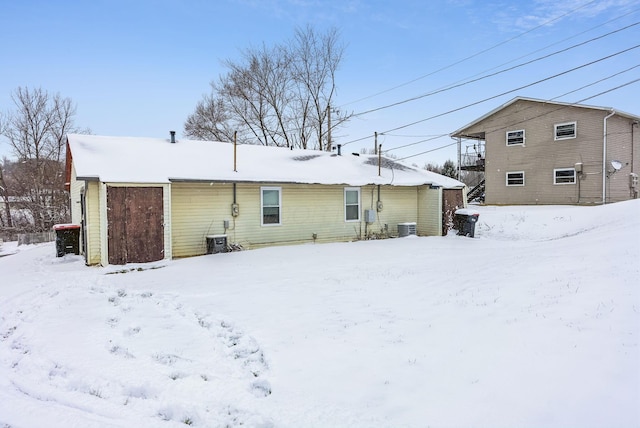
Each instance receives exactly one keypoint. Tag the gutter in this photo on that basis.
(604, 157)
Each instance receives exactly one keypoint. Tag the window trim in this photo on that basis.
(555, 176)
(262, 206)
(506, 176)
(512, 132)
(557, 125)
(352, 189)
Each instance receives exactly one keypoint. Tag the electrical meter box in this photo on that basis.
(370, 216)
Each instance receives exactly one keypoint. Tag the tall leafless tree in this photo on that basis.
(35, 131)
(5, 217)
(210, 120)
(317, 58)
(278, 96)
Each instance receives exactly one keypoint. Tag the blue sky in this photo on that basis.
(138, 67)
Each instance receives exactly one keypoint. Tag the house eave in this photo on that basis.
(88, 178)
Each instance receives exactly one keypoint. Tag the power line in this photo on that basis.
(517, 122)
(544, 24)
(499, 95)
(436, 137)
(546, 47)
(596, 82)
(543, 114)
(516, 89)
(453, 86)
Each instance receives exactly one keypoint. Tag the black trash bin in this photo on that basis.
(67, 239)
(464, 221)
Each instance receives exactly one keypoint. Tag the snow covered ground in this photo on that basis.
(534, 323)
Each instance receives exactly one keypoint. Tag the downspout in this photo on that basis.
(459, 157)
(604, 157)
(633, 125)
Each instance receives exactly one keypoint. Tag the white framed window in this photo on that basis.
(564, 131)
(564, 176)
(515, 178)
(515, 138)
(351, 204)
(270, 204)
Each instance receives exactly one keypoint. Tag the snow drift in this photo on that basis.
(533, 323)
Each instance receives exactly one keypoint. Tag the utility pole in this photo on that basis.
(235, 151)
(329, 128)
(375, 143)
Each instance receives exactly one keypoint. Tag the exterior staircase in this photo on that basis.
(477, 192)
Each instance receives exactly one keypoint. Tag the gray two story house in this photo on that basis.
(531, 151)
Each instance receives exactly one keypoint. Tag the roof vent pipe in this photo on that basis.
(339, 149)
(173, 136)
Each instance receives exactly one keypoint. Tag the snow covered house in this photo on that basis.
(147, 199)
(534, 151)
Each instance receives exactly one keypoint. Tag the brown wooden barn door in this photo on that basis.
(116, 222)
(451, 199)
(145, 230)
(135, 224)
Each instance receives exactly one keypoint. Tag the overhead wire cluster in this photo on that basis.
(491, 73)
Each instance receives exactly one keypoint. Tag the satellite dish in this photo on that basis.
(616, 164)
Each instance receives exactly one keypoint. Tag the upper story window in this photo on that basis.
(352, 204)
(270, 201)
(563, 131)
(564, 176)
(515, 138)
(515, 178)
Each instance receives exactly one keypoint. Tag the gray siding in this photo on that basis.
(542, 154)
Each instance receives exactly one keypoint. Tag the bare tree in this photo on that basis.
(317, 58)
(5, 218)
(277, 96)
(35, 131)
(211, 120)
(449, 169)
(257, 90)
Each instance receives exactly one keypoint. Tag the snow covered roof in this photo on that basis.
(157, 160)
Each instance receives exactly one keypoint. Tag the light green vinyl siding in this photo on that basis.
(75, 189)
(198, 210)
(93, 226)
(399, 205)
(429, 211)
(309, 213)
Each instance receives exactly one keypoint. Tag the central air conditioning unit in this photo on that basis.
(406, 229)
(216, 244)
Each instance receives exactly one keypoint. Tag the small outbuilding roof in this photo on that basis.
(158, 160)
